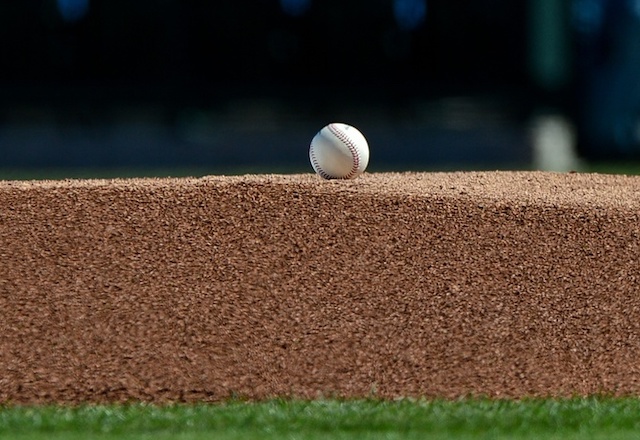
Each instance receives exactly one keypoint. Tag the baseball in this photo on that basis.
(339, 151)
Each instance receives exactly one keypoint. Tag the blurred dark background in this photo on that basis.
(245, 84)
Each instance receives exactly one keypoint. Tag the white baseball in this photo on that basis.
(339, 151)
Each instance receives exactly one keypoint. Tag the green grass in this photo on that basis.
(129, 172)
(619, 167)
(591, 418)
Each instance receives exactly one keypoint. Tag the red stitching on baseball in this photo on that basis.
(350, 145)
(317, 166)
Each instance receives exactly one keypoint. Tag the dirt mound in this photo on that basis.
(418, 284)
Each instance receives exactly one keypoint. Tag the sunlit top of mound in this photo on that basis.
(519, 187)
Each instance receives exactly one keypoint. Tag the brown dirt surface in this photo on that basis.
(499, 284)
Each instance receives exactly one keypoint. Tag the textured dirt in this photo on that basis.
(504, 284)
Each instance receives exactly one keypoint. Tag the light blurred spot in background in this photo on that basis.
(73, 10)
(410, 14)
(295, 8)
(554, 144)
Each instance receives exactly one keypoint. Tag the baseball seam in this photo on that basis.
(351, 145)
(317, 166)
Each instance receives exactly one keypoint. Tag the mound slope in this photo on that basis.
(505, 284)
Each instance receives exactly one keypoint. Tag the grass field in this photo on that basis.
(590, 418)
(620, 167)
